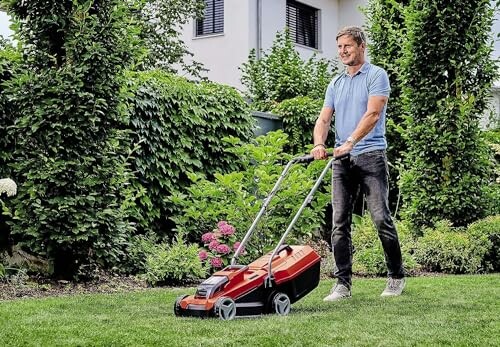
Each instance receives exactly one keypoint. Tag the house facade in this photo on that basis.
(231, 28)
(223, 39)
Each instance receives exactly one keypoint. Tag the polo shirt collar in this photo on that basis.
(364, 69)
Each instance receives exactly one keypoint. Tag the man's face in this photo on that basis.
(350, 53)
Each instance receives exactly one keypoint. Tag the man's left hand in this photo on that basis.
(344, 149)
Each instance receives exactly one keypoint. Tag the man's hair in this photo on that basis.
(356, 32)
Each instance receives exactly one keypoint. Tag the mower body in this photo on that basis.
(246, 290)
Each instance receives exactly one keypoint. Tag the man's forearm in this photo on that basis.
(366, 124)
(322, 126)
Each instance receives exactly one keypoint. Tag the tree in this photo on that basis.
(448, 75)
(386, 30)
(70, 154)
(160, 22)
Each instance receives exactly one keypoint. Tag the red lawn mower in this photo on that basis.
(270, 284)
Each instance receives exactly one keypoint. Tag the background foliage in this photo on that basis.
(298, 116)
(160, 23)
(282, 74)
(70, 152)
(447, 79)
(179, 128)
(238, 196)
(386, 31)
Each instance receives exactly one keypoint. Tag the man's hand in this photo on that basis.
(344, 149)
(319, 152)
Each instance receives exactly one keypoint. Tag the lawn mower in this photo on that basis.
(271, 283)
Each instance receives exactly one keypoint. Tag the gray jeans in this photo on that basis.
(368, 172)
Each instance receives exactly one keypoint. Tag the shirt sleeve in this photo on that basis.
(329, 96)
(379, 84)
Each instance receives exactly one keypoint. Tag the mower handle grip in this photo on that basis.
(309, 158)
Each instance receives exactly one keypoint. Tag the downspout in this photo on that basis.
(259, 29)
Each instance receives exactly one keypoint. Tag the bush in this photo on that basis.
(9, 65)
(299, 117)
(492, 138)
(71, 152)
(179, 127)
(488, 228)
(173, 264)
(368, 251)
(220, 245)
(447, 75)
(282, 74)
(238, 196)
(451, 250)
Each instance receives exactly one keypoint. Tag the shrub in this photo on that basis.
(386, 31)
(238, 196)
(451, 250)
(282, 74)
(299, 115)
(492, 138)
(369, 257)
(179, 127)
(71, 152)
(220, 245)
(9, 65)
(447, 75)
(177, 263)
(488, 228)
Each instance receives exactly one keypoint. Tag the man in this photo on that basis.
(358, 97)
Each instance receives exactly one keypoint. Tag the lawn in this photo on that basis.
(441, 310)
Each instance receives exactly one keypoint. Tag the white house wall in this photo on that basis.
(351, 15)
(223, 53)
(5, 32)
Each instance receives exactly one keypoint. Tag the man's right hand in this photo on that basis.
(319, 152)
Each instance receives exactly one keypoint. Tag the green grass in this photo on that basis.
(444, 310)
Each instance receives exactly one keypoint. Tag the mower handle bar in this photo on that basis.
(302, 159)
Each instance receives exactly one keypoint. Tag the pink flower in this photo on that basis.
(202, 255)
(216, 262)
(223, 249)
(208, 237)
(221, 223)
(226, 229)
(213, 245)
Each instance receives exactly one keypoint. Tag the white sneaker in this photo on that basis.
(394, 287)
(339, 292)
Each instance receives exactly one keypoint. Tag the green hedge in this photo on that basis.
(299, 116)
(178, 127)
(70, 149)
(447, 76)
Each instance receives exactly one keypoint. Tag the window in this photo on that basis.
(213, 18)
(302, 22)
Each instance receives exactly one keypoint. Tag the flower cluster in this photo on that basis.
(8, 187)
(220, 245)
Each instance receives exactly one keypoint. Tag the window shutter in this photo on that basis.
(213, 18)
(302, 22)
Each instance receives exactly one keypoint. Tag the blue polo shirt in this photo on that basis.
(348, 96)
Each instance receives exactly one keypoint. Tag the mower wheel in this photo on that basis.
(225, 308)
(177, 304)
(281, 304)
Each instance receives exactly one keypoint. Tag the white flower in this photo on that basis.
(8, 186)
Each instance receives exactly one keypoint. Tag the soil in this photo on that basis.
(17, 288)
